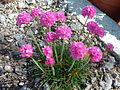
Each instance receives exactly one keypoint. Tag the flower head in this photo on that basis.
(63, 32)
(36, 12)
(26, 50)
(48, 18)
(110, 46)
(78, 50)
(23, 18)
(95, 54)
(50, 61)
(89, 11)
(50, 37)
(91, 26)
(47, 51)
(99, 31)
(60, 16)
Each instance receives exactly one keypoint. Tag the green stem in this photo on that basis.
(35, 40)
(72, 65)
(49, 29)
(53, 71)
(41, 27)
(38, 65)
(82, 29)
(55, 51)
(87, 38)
(84, 64)
(62, 50)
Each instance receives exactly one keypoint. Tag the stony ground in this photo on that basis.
(15, 72)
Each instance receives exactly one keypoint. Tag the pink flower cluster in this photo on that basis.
(23, 18)
(26, 50)
(89, 11)
(60, 16)
(110, 46)
(47, 51)
(50, 37)
(95, 54)
(100, 31)
(50, 61)
(48, 18)
(95, 29)
(78, 50)
(36, 12)
(91, 26)
(63, 32)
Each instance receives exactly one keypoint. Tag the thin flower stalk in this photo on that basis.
(82, 28)
(55, 51)
(53, 71)
(41, 27)
(72, 65)
(87, 38)
(35, 39)
(49, 29)
(62, 49)
(37, 65)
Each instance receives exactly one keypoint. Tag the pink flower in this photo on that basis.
(26, 50)
(23, 18)
(91, 26)
(95, 54)
(78, 50)
(63, 32)
(50, 61)
(110, 46)
(36, 12)
(100, 31)
(89, 11)
(47, 51)
(60, 16)
(48, 18)
(50, 37)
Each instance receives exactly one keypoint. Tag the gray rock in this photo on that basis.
(109, 65)
(21, 83)
(108, 79)
(111, 59)
(21, 42)
(46, 87)
(8, 68)
(24, 87)
(18, 36)
(18, 70)
(114, 75)
(93, 80)
(30, 1)
(12, 16)
(41, 43)
(2, 18)
(115, 83)
(21, 4)
(75, 27)
(2, 37)
(105, 85)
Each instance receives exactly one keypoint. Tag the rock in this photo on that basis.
(18, 36)
(75, 27)
(2, 37)
(30, 1)
(2, 18)
(8, 68)
(46, 87)
(93, 80)
(24, 87)
(108, 79)
(12, 16)
(18, 70)
(21, 42)
(114, 75)
(111, 59)
(109, 65)
(21, 83)
(105, 85)
(21, 4)
(41, 43)
(47, 1)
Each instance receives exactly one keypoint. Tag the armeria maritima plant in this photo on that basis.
(61, 65)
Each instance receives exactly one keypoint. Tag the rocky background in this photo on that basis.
(15, 72)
